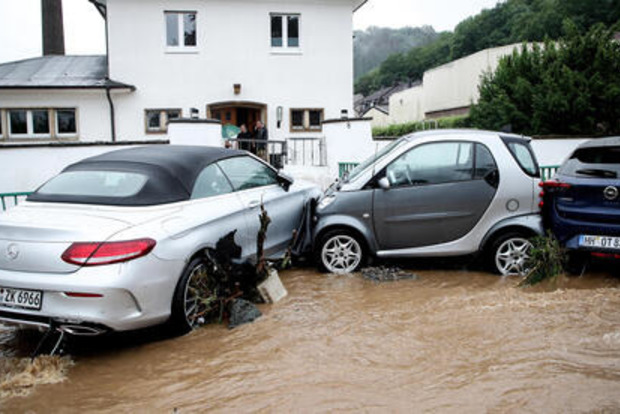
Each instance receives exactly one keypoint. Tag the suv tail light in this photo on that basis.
(103, 253)
(553, 186)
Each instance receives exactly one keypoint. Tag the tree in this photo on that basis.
(567, 87)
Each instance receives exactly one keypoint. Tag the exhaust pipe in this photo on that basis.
(80, 330)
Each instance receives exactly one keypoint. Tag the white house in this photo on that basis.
(288, 63)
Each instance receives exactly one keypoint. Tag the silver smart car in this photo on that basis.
(439, 193)
(117, 241)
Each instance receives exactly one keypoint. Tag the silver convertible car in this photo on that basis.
(113, 242)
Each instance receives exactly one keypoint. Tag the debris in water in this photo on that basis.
(19, 376)
(242, 312)
(387, 274)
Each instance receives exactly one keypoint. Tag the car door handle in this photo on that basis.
(254, 203)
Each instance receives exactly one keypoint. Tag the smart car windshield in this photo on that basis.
(371, 160)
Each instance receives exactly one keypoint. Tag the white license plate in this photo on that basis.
(20, 298)
(605, 242)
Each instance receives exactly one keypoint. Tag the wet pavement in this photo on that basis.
(450, 341)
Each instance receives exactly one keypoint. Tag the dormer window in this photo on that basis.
(285, 30)
(180, 31)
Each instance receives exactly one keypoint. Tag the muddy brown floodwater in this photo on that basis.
(451, 341)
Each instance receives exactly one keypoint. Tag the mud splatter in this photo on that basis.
(21, 375)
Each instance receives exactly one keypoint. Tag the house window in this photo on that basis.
(285, 31)
(180, 30)
(66, 122)
(157, 119)
(306, 120)
(39, 123)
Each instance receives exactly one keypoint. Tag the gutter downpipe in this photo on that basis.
(112, 117)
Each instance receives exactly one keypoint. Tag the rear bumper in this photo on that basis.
(134, 295)
(568, 231)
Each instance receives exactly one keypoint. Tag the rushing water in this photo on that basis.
(449, 342)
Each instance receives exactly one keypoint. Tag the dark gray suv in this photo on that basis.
(439, 193)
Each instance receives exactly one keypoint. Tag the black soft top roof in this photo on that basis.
(171, 171)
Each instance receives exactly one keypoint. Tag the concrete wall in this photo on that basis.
(379, 118)
(233, 47)
(552, 152)
(195, 132)
(407, 105)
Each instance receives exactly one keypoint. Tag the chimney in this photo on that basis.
(53, 33)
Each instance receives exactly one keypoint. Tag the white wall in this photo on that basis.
(407, 105)
(379, 118)
(455, 84)
(93, 113)
(233, 47)
(552, 152)
(195, 133)
(349, 141)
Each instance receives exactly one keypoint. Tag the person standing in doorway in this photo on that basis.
(261, 136)
(244, 134)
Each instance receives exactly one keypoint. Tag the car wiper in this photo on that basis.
(595, 172)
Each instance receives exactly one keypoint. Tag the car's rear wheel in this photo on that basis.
(576, 262)
(341, 252)
(509, 254)
(194, 298)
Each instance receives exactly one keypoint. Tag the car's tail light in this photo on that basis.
(552, 186)
(103, 253)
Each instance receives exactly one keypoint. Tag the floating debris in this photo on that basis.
(242, 312)
(387, 274)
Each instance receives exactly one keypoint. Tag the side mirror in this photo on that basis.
(384, 183)
(285, 180)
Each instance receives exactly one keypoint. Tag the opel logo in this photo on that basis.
(12, 251)
(610, 193)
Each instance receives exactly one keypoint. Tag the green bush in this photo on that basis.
(398, 130)
(547, 259)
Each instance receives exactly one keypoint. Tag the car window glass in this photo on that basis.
(593, 162)
(95, 184)
(433, 164)
(524, 157)
(485, 163)
(211, 182)
(374, 158)
(246, 172)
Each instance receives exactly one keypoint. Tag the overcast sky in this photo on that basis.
(20, 22)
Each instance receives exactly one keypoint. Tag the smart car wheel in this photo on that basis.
(194, 297)
(510, 254)
(341, 252)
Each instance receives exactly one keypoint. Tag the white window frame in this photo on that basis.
(163, 119)
(56, 123)
(29, 124)
(285, 48)
(181, 47)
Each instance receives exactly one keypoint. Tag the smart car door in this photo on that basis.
(437, 193)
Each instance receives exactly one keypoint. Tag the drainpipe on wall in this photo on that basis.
(112, 117)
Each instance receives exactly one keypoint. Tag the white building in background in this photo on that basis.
(288, 63)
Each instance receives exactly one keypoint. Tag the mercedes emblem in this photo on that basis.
(12, 251)
(610, 193)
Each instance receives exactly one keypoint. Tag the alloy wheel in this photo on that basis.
(200, 296)
(512, 257)
(341, 254)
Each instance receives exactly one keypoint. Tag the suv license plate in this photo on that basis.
(20, 298)
(604, 242)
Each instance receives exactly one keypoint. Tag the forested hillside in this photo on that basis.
(373, 45)
(508, 22)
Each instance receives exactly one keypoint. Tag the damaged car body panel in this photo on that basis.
(105, 244)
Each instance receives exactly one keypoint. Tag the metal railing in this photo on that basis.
(548, 171)
(8, 200)
(345, 167)
(272, 151)
(307, 151)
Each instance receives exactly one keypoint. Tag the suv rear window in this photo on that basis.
(523, 154)
(593, 162)
(113, 184)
